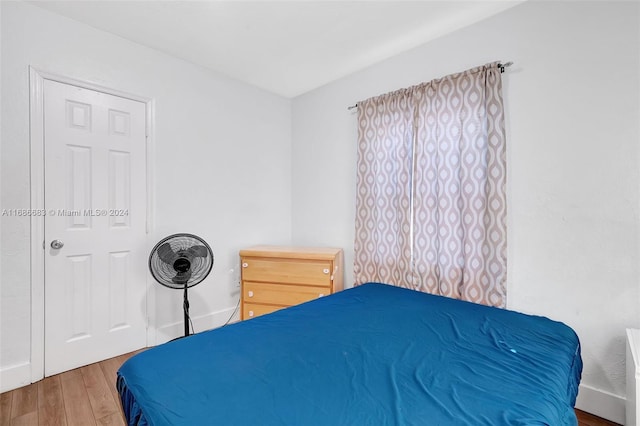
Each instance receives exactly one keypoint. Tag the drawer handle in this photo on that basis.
(250, 293)
(250, 313)
(325, 270)
(245, 264)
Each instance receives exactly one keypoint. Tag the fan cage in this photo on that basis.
(165, 273)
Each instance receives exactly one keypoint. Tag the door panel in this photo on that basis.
(95, 197)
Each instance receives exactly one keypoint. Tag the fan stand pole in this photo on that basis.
(186, 311)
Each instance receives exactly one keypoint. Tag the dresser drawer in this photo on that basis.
(287, 271)
(281, 294)
(275, 277)
(252, 310)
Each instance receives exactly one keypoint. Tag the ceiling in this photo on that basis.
(285, 47)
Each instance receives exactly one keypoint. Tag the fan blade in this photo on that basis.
(198, 251)
(166, 254)
(182, 277)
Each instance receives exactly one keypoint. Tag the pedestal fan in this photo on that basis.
(181, 261)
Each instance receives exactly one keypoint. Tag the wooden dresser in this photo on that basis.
(276, 277)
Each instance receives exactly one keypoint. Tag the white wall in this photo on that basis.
(573, 166)
(222, 163)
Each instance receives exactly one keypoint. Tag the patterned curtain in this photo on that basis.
(430, 202)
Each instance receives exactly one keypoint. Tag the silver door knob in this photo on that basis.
(57, 244)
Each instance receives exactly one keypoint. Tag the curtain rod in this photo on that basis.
(501, 66)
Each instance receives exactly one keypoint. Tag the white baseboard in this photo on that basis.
(15, 376)
(18, 375)
(601, 403)
(201, 323)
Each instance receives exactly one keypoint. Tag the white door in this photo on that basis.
(95, 227)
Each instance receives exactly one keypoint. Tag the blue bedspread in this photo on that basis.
(371, 355)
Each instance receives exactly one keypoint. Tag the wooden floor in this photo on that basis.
(84, 396)
(586, 419)
(87, 396)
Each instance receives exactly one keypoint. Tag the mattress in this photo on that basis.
(371, 355)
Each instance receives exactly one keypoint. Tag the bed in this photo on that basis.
(371, 355)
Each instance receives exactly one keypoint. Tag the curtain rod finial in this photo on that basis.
(505, 65)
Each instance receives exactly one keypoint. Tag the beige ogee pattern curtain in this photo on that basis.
(383, 201)
(430, 201)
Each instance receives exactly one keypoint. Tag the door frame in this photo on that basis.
(37, 163)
